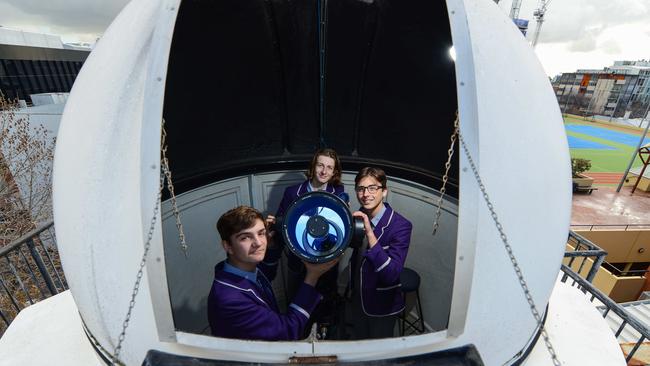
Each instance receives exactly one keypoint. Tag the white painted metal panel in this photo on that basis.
(189, 278)
(106, 178)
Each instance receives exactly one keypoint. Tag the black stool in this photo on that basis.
(411, 283)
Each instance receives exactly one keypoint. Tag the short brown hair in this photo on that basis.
(237, 219)
(369, 171)
(330, 153)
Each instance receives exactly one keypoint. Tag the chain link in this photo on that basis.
(115, 360)
(165, 173)
(170, 187)
(513, 260)
(445, 178)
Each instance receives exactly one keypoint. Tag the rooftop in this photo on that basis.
(606, 207)
(16, 37)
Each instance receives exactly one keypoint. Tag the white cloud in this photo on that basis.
(570, 20)
(74, 20)
(576, 33)
(589, 34)
(622, 42)
(611, 47)
(586, 43)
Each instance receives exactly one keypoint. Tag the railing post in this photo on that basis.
(20, 281)
(594, 268)
(15, 287)
(633, 351)
(626, 317)
(41, 267)
(11, 297)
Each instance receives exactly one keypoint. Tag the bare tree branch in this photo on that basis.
(26, 155)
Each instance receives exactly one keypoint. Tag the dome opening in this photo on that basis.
(243, 113)
(243, 92)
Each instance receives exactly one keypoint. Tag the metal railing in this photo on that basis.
(30, 271)
(586, 249)
(610, 305)
(583, 248)
(616, 227)
(624, 273)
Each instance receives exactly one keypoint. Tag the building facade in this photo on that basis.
(32, 63)
(620, 90)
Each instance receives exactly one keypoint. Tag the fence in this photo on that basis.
(30, 271)
(586, 249)
(619, 227)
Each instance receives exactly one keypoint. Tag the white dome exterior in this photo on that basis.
(106, 178)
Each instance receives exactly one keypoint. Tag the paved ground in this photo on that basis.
(607, 207)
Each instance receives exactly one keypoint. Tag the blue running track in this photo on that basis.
(603, 133)
(578, 143)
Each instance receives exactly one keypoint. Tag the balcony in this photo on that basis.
(583, 261)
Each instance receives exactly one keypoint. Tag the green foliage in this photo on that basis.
(579, 166)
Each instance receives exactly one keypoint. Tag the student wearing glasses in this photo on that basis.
(375, 268)
(241, 303)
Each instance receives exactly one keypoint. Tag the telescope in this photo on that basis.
(318, 227)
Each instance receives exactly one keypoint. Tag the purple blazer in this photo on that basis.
(293, 192)
(382, 265)
(238, 308)
(290, 194)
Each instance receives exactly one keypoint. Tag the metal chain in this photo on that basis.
(164, 174)
(515, 264)
(120, 339)
(170, 187)
(445, 178)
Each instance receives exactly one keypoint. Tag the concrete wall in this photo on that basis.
(622, 246)
(618, 288)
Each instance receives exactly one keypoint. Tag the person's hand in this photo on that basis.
(315, 270)
(370, 234)
(366, 220)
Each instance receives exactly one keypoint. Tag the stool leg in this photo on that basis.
(403, 317)
(417, 293)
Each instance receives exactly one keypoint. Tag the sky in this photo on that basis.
(576, 34)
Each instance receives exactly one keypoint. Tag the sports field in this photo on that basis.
(608, 146)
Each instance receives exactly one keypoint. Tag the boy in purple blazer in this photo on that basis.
(241, 303)
(375, 268)
(324, 174)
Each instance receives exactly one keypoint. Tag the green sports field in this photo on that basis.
(607, 161)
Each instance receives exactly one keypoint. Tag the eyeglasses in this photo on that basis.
(371, 189)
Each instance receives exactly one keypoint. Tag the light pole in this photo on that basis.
(645, 114)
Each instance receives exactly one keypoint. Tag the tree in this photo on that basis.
(579, 166)
(638, 108)
(26, 156)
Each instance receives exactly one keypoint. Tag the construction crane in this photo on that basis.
(539, 18)
(514, 9)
